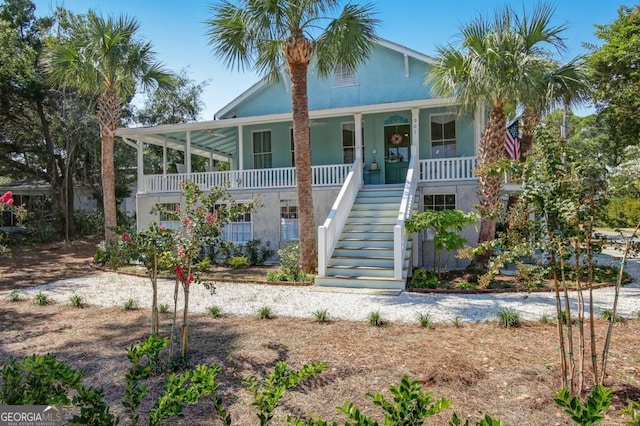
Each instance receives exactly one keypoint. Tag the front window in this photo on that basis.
(344, 77)
(349, 143)
(239, 230)
(288, 220)
(167, 221)
(443, 136)
(439, 202)
(262, 149)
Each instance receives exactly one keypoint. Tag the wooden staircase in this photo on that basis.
(363, 257)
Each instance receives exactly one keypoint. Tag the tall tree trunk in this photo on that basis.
(298, 54)
(489, 185)
(109, 110)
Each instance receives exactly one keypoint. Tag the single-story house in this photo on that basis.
(382, 147)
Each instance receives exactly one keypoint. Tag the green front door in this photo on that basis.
(397, 152)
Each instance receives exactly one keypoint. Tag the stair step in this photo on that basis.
(368, 252)
(364, 261)
(359, 271)
(361, 244)
(361, 282)
(374, 199)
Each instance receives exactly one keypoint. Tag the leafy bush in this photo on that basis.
(130, 305)
(422, 278)
(633, 410)
(214, 311)
(589, 412)
(533, 275)
(238, 262)
(41, 299)
(508, 317)
(376, 320)
(265, 313)
(426, 321)
(204, 265)
(623, 212)
(76, 301)
(321, 316)
(290, 265)
(89, 222)
(607, 314)
(14, 296)
(163, 308)
(256, 253)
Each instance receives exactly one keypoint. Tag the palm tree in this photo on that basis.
(490, 66)
(104, 58)
(265, 35)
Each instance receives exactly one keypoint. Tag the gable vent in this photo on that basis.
(344, 77)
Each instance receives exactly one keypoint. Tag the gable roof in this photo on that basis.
(224, 111)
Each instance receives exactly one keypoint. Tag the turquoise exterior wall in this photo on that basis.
(382, 79)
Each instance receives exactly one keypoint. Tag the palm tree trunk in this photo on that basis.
(489, 185)
(109, 110)
(298, 54)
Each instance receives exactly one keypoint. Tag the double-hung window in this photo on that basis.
(443, 135)
(166, 220)
(349, 143)
(262, 149)
(289, 220)
(239, 230)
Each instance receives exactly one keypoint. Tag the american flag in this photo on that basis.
(512, 143)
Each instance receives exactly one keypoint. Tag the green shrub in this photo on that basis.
(532, 275)
(214, 311)
(607, 314)
(163, 308)
(623, 212)
(508, 317)
(204, 265)
(41, 299)
(589, 412)
(14, 296)
(422, 278)
(633, 410)
(466, 285)
(321, 316)
(456, 322)
(238, 262)
(278, 275)
(265, 313)
(130, 305)
(76, 301)
(426, 321)
(256, 253)
(376, 320)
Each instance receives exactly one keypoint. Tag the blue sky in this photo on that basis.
(178, 34)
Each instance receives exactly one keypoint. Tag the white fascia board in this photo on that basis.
(133, 132)
(406, 51)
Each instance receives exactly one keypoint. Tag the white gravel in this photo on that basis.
(113, 289)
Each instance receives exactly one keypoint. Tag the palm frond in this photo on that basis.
(347, 40)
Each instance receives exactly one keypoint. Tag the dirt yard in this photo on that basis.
(510, 374)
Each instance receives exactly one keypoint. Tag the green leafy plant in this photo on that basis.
(76, 301)
(587, 413)
(269, 391)
(238, 262)
(485, 421)
(456, 322)
(426, 321)
(422, 278)
(256, 253)
(163, 308)
(14, 296)
(508, 317)
(265, 313)
(204, 265)
(376, 320)
(545, 319)
(607, 314)
(41, 299)
(290, 265)
(446, 224)
(532, 275)
(466, 285)
(130, 305)
(322, 316)
(633, 410)
(214, 311)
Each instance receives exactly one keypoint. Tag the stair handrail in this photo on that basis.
(329, 232)
(404, 213)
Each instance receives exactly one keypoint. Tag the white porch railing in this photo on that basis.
(447, 169)
(329, 232)
(284, 177)
(404, 213)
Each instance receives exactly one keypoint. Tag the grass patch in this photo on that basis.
(214, 311)
(130, 305)
(76, 301)
(322, 316)
(426, 321)
(376, 320)
(41, 299)
(508, 318)
(265, 313)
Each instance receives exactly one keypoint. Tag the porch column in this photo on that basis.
(164, 156)
(357, 118)
(187, 153)
(240, 148)
(415, 133)
(140, 164)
